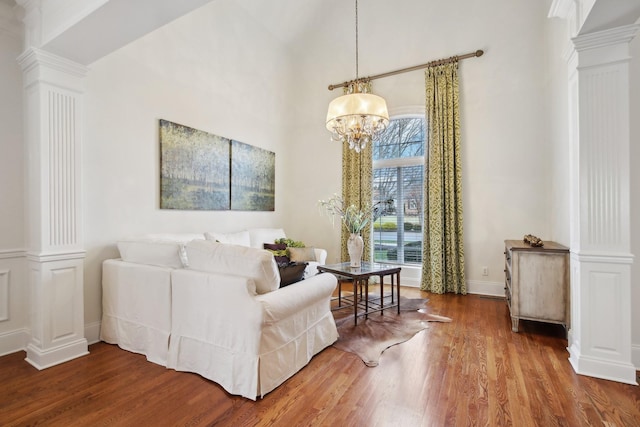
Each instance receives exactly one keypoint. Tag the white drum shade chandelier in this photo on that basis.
(357, 117)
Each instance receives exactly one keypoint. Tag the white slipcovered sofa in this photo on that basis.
(216, 309)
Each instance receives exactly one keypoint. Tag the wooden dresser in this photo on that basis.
(537, 282)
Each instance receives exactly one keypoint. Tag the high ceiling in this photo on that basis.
(294, 23)
(116, 22)
(291, 20)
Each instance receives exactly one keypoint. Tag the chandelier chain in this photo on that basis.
(357, 75)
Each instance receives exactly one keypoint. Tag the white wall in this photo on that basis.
(557, 123)
(11, 160)
(635, 197)
(13, 316)
(213, 70)
(504, 108)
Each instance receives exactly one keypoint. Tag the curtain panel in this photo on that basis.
(443, 252)
(357, 180)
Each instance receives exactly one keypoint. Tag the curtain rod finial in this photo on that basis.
(479, 52)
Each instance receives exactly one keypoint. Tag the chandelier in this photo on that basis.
(358, 116)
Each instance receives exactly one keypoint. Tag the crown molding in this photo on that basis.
(560, 9)
(10, 23)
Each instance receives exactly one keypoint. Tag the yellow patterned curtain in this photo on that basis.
(443, 252)
(356, 190)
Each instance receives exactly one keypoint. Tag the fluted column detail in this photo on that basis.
(53, 123)
(600, 335)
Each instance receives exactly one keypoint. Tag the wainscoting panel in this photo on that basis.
(4, 295)
(14, 300)
(63, 296)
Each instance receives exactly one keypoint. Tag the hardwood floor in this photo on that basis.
(471, 372)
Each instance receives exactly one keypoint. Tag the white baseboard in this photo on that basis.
(635, 356)
(598, 367)
(92, 332)
(13, 341)
(45, 358)
(479, 287)
(494, 289)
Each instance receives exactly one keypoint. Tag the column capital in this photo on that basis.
(40, 65)
(604, 47)
(606, 37)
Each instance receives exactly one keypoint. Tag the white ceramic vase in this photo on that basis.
(355, 247)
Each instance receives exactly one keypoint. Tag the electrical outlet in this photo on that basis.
(485, 271)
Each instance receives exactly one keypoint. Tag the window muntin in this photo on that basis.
(404, 137)
(398, 157)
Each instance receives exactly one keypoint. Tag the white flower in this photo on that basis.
(354, 219)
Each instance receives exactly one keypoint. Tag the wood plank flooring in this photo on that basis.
(471, 372)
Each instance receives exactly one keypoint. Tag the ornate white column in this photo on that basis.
(53, 89)
(600, 335)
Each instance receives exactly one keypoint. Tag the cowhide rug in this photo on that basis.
(372, 336)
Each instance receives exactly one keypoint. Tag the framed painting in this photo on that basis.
(195, 169)
(253, 173)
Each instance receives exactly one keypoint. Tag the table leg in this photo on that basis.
(366, 298)
(355, 301)
(392, 290)
(382, 294)
(398, 287)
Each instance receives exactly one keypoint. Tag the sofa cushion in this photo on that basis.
(260, 236)
(163, 250)
(301, 254)
(240, 238)
(291, 273)
(257, 264)
(279, 251)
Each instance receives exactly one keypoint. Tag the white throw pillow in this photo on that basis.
(257, 264)
(174, 237)
(240, 238)
(260, 236)
(162, 253)
(164, 250)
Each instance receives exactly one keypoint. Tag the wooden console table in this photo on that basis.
(360, 277)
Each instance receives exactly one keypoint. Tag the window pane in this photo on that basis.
(398, 233)
(402, 138)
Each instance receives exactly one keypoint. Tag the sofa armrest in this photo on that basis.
(284, 302)
(216, 308)
(312, 267)
(321, 256)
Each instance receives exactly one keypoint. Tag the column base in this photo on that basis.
(601, 368)
(46, 358)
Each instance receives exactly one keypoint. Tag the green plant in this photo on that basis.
(290, 242)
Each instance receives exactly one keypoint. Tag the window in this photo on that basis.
(398, 174)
